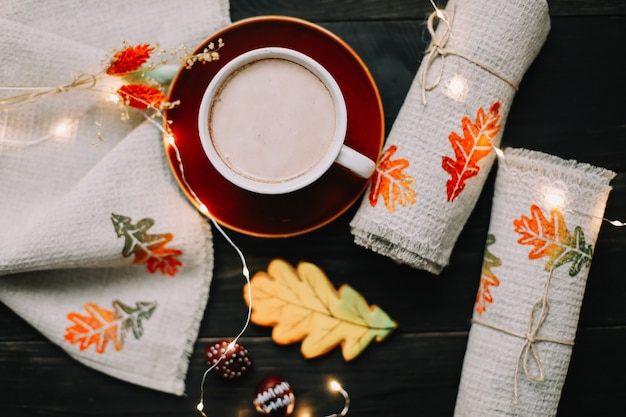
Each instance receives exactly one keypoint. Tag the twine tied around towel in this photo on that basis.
(529, 348)
(439, 50)
(81, 81)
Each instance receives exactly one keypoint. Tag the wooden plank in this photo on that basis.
(357, 10)
(570, 104)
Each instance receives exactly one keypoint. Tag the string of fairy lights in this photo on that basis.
(200, 406)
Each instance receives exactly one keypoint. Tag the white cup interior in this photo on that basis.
(221, 162)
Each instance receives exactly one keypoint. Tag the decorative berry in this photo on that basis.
(274, 396)
(232, 361)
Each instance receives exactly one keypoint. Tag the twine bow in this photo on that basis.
(439, 50)
(436, 50)
(528, 350)
(83, 81)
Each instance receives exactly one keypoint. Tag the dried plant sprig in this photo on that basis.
(129, 59)
(208, 54)
(141, 96)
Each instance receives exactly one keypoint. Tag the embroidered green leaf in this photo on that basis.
(579, 255)
(550, 238)
(132, 317)
(487, 278)
(149, 249)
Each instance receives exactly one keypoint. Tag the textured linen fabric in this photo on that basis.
(560, 238)
(503, 36)
(62, 260)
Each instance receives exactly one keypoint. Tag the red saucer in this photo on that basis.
(278, 215)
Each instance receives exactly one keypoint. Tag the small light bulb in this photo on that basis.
(457, 88)
(203, 209)
(617, 223)
(170, 140)
(114, 98)
(63, 129)
(553, 197)
(200, 406)
(499, 152)
(336, 387)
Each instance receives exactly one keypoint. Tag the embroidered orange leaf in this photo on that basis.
(390, 183)
(141, 96)
(98, 328)
(470, 148)
(487, 278)
(102, 326)
(550, 238)
(129, 59)
(302, 305)
(149, 249)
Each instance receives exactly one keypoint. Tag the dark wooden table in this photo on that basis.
(570, 104)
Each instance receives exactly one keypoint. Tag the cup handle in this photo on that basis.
(356, 162)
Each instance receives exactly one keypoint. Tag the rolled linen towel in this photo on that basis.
(545, 220)
(438, 153)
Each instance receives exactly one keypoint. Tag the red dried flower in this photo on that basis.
(129, 59)
(141, 96)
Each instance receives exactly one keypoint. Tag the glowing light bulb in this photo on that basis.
(336, 387)
(170, 140)
(553, 197)
(200, 406)
(63, 129)
(457, 88)
(498, 152)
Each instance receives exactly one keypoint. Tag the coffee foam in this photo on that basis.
(273, 120)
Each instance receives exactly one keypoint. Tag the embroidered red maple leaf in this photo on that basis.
(101, 326)
(551, 238)
(470, 148)
(149, 249)
(487, 278)
(141, 96)
(129, 59)
(390, 183)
